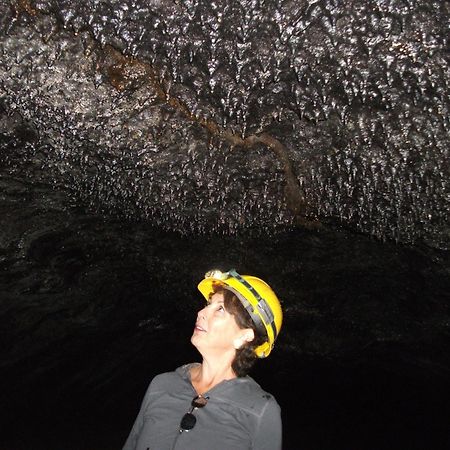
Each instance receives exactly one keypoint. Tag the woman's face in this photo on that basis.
(216, 329)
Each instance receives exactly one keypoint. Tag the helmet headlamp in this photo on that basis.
(217, 274)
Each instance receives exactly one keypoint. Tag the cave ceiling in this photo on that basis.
(234, 115)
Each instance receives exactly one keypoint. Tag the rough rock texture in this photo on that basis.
(230, 115)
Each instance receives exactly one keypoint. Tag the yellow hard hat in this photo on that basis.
(257, 298)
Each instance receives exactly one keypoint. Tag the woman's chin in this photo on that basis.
(194, 339)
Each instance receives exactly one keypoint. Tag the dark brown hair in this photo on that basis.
(245, 356)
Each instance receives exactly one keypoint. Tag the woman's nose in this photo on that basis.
(202, 313)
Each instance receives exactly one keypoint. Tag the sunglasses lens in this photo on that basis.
(188, 422)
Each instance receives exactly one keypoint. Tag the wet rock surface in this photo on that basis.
(143, 143)
(143, 108)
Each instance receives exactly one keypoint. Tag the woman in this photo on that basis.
(214, 405)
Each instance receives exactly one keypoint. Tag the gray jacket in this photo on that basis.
(239, 416)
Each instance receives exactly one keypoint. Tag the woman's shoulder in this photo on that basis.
(248, 394)
(168, 380)
(257, 391)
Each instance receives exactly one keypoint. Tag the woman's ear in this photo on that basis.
(246, 335)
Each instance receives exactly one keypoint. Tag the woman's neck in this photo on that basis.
(210, 373)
